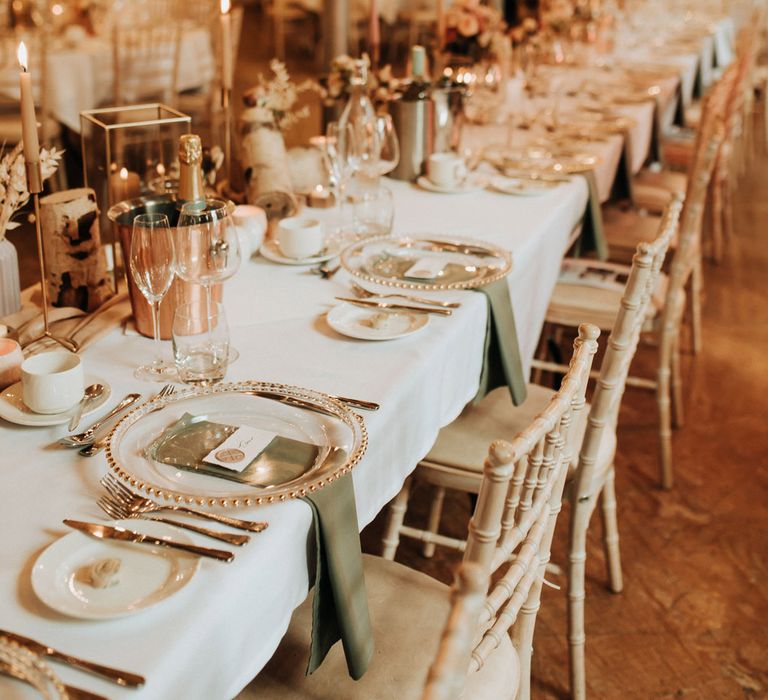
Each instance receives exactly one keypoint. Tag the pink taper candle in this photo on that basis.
(226, 45)
(28, 118)
(374, 30)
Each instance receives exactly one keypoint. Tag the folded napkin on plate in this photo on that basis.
(501, 359)
(592, 234)
(340, 605)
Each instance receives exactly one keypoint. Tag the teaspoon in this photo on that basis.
(91, 392)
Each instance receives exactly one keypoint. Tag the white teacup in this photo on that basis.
(446, 169)
(52, 382)
(300, 237)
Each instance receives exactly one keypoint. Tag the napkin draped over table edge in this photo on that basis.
(340, 604)
(592, 236)
(502, 364)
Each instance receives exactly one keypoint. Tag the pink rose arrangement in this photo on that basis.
(473, 29)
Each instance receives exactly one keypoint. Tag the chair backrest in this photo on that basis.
(145, 60)
(622, 344)
(511, 530)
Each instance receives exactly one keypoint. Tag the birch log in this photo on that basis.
(76, 268)
(265, 168)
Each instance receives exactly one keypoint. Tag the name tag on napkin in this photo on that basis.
(425, 269)
(240, 448)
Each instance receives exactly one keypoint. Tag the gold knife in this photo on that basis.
(398, 307)
(124, 678)
(108, 532)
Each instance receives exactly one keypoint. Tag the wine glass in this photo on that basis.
(152, 268)
(343, 160)
(207, 247)
(389, 145)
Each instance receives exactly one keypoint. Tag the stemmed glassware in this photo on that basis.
(207, 248)
(343, 160)
(389, 146)
(152, 268)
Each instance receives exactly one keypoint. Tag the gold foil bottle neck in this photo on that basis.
(191, 188)
(190, 149)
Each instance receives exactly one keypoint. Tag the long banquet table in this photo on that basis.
(212, 637)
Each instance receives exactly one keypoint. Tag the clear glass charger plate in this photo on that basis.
(469, 263)
(18, 662)
(540, 159)
(310, 417)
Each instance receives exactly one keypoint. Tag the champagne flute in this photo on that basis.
(152, 268)
(207, 247)
(389, 145)
(344, 160)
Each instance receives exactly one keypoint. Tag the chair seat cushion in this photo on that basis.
(408, 612)
(463, 445)
(652, 190)
(592, 299)
(624, 229)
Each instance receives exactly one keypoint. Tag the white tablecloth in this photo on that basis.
(213, 636)
(81, 77)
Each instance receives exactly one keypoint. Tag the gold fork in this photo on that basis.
(140, 504)
(364, 293)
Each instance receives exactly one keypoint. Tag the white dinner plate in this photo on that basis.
(12, 408)
(270, 250)
(522, 187)
(147, 574)
(357, 322)
(469, 185)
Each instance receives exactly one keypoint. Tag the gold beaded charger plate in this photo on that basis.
(540, 159)
(315, 439)
(466, 262)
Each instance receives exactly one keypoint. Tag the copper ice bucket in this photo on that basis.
(181, 292)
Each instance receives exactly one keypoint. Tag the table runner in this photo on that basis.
(592, 236)
(340, 604)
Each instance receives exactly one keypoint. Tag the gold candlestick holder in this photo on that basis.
(35, 187)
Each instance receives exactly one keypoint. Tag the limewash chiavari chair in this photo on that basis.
(509, 538)
(625, 229)
(668, 304)
(449, 464)
(146, 61)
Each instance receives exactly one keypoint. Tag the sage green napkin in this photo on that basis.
(340, 605)
(592, 234)
(622, 186)
(188, 440)
(501, 355)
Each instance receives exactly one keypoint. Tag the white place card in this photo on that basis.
(240, 448)
(425, 269)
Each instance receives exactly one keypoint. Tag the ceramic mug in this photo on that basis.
(52, 382)
(446, 170)
(299, 237)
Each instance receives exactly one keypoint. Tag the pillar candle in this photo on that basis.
(28, 117)
(226, 44)
(124, 185)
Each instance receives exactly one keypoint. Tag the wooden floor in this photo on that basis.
(692, 621)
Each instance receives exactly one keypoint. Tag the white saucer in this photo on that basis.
(270, 250)
(522, 187)
(12, 408)
(147, 574)
(355, 322)
(469, 185)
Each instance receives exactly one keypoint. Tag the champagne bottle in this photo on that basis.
(191, 187)
(419, 86)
